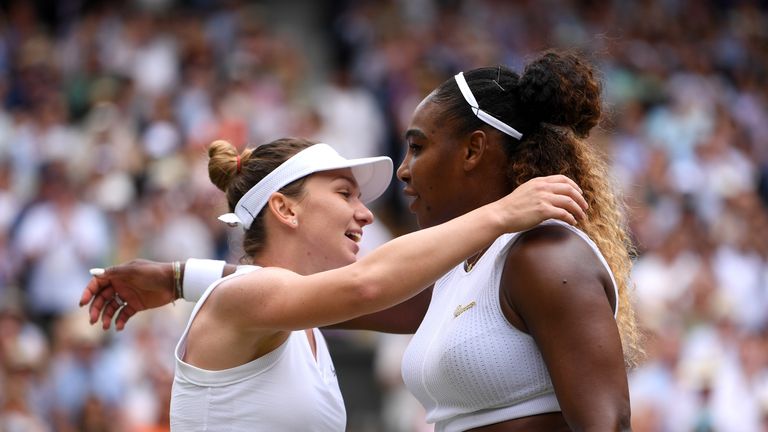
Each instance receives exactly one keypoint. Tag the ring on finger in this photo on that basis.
(118, 301)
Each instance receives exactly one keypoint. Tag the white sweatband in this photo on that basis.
(482, 115)
(199, 274)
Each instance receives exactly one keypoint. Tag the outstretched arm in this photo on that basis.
(144, 284)
(280, 299)
(403, 318)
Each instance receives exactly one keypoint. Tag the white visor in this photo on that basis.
(372, 174)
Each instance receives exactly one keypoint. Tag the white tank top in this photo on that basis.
(466, 364)
(284, 390)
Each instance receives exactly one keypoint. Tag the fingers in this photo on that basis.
(577, 200)
(90, 290)
(119, 310)
(559, 200)
(567, 209)
(104, 296)
(559, 178)
(123, 316)
(104, 301)
(571, 190)
(109, 310)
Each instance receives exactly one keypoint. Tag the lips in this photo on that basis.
(413, 196)
(355, 236)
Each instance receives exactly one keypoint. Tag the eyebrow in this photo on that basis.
(417, 133)
(350, 179)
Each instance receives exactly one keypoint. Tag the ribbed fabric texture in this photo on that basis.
(467, 364)
(284, 390)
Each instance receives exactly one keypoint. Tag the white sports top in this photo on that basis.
(284, 390)
(466, 364)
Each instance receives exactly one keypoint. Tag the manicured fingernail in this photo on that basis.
(96, 271)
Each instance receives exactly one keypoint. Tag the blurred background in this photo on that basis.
(107, 108)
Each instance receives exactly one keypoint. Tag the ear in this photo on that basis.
(475, 148)
(283, 209)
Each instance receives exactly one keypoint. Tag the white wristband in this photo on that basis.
(199, 274)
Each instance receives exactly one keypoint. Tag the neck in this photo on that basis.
(286, 257)
(291, 253)
(471, 198)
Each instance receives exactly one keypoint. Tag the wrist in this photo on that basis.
(178, 291)
(496, 218)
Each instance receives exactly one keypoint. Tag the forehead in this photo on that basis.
(423, 121)
(341, 174)
(430, 124)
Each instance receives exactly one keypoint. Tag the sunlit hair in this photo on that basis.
(555, 103)
(255, 164)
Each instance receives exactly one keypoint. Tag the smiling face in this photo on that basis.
(331, 218)
(432, 168)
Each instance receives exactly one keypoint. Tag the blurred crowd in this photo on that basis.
(107, 108)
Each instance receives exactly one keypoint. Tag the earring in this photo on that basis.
(295, 222)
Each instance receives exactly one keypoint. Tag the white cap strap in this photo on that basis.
(372, 175)
(482, 115)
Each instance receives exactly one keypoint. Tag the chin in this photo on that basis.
(424, 221)
(347, 260)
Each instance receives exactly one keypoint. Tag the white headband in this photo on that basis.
(482, 115)
(372, 174)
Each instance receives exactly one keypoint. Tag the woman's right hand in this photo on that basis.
(542, 198)
(140, 284)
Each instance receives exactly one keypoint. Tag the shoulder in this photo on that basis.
(550, 245)
(247, 285)
(552, 263)
(253, 279)
(237, 296)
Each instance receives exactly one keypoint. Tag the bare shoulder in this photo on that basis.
(242, 290)
(552, 265)
(551, 248)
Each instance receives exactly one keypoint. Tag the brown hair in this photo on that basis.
(255, 164)
(555, 104)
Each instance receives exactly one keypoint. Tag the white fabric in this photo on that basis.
(372, 174)
(199, 274)
(467, 365)
(482, 115)
(284, 390)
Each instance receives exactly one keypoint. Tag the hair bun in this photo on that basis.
(222, 163)
(561, 89)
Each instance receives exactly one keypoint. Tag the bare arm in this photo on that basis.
(403, 318)
(536, 200)
(557, 290)
(280, 299)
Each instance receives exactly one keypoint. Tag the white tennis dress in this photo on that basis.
(284, 390)
(466, 364)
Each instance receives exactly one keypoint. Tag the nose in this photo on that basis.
(403, 172)
(363, 215)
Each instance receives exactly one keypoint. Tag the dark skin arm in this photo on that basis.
(145, 284)
(404, 318)
(555, 288)
(142, 284)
